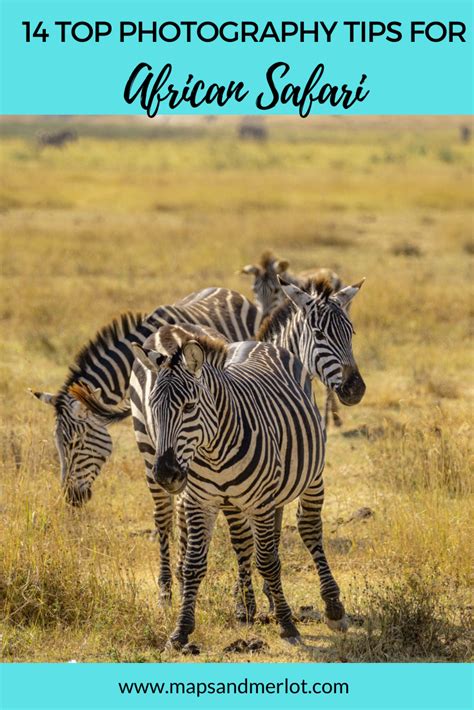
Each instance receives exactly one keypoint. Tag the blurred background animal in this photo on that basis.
(269, 296)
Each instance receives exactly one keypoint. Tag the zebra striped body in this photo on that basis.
(236, 427)
(314, 326)
(104, 366)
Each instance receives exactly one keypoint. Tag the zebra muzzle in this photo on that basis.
(352, 389)
(77, 496)
(168, 473)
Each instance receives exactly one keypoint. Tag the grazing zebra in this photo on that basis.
(269, 295)
(314, 327)
(104, 365)
(82, 440)
(235, 427)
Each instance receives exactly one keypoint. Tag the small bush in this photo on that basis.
(406, 249)
(52, 579)
(409, 618)
(446, 155)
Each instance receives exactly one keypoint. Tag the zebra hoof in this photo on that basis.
(164, 595)
(176, 642)
(293, 640)
(245, 615)
(164, 600)
(289, 631)
(339, 624)
(244, 619)
(191, 650)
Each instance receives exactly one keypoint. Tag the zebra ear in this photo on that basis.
(148, 358)
(296, 295)
(45, 397)
(250, 269)
(281, 266)
(193, 356)
(345, 295)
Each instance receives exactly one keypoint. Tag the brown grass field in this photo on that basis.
(137, 214)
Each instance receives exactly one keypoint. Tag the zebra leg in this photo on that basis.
(163, 515)
(269, 566)
(199, 523)
(327, 407)
(310, 528)
(334, 408)
(182, 540)
(242, 542)
(266, 588)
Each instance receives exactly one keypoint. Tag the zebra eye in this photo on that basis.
(319, 334)
(188, 408)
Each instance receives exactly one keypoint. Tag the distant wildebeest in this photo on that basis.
(465, 133)
(55, 139)
(253, 130)
(269, 295)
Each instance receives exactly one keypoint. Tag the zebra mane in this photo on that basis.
(215, 349)
(267, 259)
(272, 323)
(169, 341)
(271, 263)
(110, 335)
(318, 286)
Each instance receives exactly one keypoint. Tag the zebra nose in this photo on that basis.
(352, 388)
(77, 496)
(168, 473)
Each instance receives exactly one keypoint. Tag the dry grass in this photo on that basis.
(143, 218)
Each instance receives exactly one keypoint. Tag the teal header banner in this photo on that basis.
(302, 58)
(231, 686)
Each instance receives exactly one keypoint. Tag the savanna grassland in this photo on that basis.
(136, 214)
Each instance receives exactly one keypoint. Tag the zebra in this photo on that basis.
(82, 439)
(104, 366)
(266, 286)
(269, 295)
(233, 427)
(313, 326)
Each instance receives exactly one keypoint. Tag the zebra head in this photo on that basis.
(82, 441)
(182, 407)
(266, 287)
(325, 345)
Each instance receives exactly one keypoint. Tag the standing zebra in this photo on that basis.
(313, 326)
(269, 295)
(234, 427)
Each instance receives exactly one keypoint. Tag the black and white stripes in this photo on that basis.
(104, 366)
(235, 427)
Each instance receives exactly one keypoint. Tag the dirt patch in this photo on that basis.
(253, 645)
